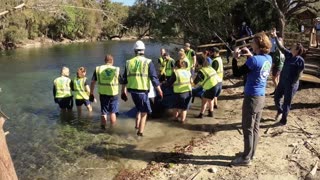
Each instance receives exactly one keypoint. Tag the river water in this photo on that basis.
(45, 144)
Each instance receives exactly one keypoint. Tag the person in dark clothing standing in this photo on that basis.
(289, 78)
(257, 67)
(231, 42)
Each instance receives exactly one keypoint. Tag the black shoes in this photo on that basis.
(215, 107)
(210, 113)
(139, 134)
(103, 127)
(200, 116)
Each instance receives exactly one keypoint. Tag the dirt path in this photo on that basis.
(282, 153)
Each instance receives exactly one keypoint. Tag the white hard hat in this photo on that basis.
(139, 45)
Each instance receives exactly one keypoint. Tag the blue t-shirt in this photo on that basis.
(259, 66)
(209, 60)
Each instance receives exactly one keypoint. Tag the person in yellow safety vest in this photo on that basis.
(161, 61)
(218, 66)
(208, 78)
(181, 81)
(62, 90)
(107, 77)
(183, 57)
(169, 65)
(81, 90)
(191, 55)
(136, 79)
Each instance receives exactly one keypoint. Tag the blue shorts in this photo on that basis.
(65, 103)
(109, 104)
(141, 101)
(213, 92)
(182, 100)
(79, 102)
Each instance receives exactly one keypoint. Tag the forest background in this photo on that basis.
(195, 21)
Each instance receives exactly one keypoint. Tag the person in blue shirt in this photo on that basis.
(289, 78)
(257, 68)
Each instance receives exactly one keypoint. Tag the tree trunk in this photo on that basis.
(7, 171)
(282, 25)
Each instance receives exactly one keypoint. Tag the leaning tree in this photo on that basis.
(286, 9)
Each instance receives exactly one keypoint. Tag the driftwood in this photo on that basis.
(311, 148)
(312, 173)
(7, 171)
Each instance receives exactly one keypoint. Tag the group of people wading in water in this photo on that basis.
(185, 75)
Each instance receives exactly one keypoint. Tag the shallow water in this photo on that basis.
(45, 144)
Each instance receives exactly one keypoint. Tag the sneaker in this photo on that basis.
(103, 127)
(278, 117)
(210, 113)
(200, 116)
(215, 107)
(239, 161)
(139, 134)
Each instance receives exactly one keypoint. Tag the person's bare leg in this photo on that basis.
(204, 105)
(89, 107)
(176, 113)
(213, 103)
(138, 118)
(103, 121)
(183, 115)
(113, 119)
(142, 122)
(79, 110)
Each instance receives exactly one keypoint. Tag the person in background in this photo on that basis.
(206, 54)
(169, 65)
(62, 90)
(107, 77)
(289, 78)
(181, 81)
(183, 57)
(191, 55)
(245, 30)
(208, 78)
(277, 62)
(217, 65)
(136, 79)
(257, 67)
(81, 90)
(162, 65)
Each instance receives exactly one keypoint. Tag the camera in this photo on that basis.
(242, 52)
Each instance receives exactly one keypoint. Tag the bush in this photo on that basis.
(15, 35)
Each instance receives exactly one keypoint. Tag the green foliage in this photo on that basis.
(13, 34)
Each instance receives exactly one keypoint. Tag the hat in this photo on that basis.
(215, 49)
(139, 45)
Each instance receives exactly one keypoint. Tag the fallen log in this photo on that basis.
(7, 171)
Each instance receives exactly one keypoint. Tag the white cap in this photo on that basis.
(139, 45)
(244, 23)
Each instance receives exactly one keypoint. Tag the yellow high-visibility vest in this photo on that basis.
(182, 83)
(138, 73)
(79, 88)
(63, 88)
(108, 79)
(220, 68)
(211, 77)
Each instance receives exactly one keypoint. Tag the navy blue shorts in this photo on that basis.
(141, 101)
(109, 104)
(182, 100)
(79, 102)
(65, 103)
(213, 92)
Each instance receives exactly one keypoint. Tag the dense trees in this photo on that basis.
(190, 20)
(59, 19)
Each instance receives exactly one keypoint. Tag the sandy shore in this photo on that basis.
(283, 152)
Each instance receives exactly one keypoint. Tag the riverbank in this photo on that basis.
(283, 152)
(40, 42)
